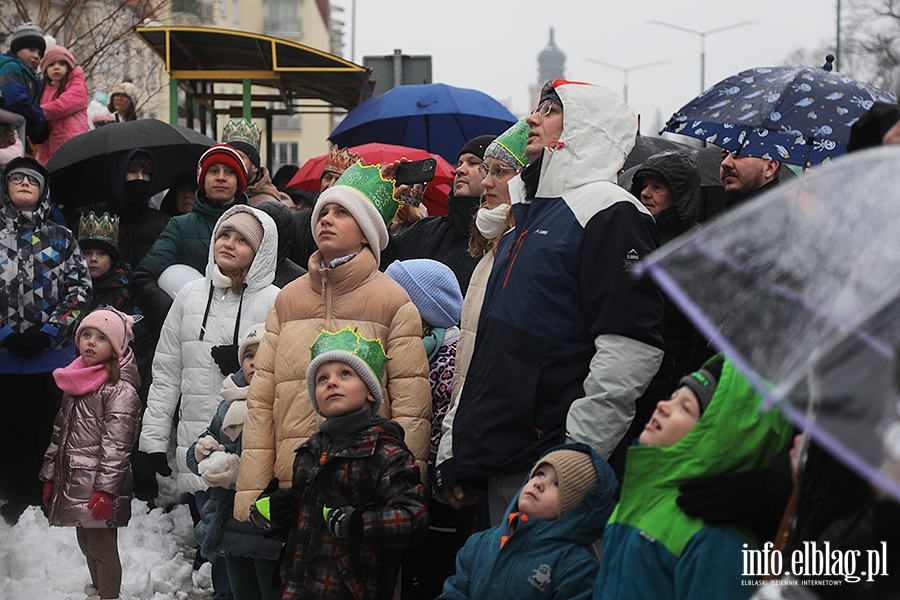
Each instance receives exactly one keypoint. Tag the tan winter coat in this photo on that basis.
(90, 449)
(279, 416)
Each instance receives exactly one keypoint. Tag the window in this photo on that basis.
(283, 18)
(286, 153)
(235, 11)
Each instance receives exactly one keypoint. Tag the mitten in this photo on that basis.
(275, 509)
(47, 493)
(344, 522)
(102, 503)
(206, 446)
(33, 344)
(227, 358)
(221, 477)
(160, 463)
(12, 341)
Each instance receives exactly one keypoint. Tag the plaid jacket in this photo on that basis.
(375, 473)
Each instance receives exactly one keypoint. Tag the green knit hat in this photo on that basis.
(366, 357)
(510, 145)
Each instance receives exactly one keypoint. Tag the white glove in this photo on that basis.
(220, 470)
(206, 446)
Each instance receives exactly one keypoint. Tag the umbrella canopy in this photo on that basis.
(307, 178)
(801, 116)
(706, 159)
(801, 288)
(433, 116)
(80, 169)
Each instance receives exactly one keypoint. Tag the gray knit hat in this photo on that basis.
(575, 473)
(27, 35)
(703, 384)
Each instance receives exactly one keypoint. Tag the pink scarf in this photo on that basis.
(79, 379)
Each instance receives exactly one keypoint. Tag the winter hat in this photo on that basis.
(477, 146)
(100, 232)
(339, 160)
(703, 384)
(576, 474)
(221, 154)
(57, 53)
(252, 336)
(126, 88)
(548, 92)
(432, 287)
(369, 198)
(27, 35)
(366, 357)
(115, 324)
(28, 170)
(245, 224)
(244, 136)
(510, 145)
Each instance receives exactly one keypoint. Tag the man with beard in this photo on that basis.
(744, 177)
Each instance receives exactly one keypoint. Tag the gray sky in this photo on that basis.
(493, 46)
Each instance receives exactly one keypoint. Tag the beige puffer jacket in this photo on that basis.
(279, 416)
(90, 449)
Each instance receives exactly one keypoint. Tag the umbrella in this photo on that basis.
(706, 159)
(801, 116)
(80, 169)
(307, 178)
(433, 116)
(801, 288)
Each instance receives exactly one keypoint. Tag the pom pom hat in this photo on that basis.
(114, 324)
(366, 357)
(221, 154)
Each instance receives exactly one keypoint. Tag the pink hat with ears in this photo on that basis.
(56, 53)
(114, 324)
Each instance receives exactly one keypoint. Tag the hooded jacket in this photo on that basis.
(539, 559)
(20, 92)
(287, 270)
(67, 114)
(46, 284)
(680, 173)
(90, 449)
(651, 549)
(185, 376)
(567, 338)
(262, 188)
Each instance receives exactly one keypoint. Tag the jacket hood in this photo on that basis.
(42, 211)
(584, 524)
(284, 223)
(262, 269)
(168, 204)
(680, 174)
(129, 370)
(120, 169)
(597, 136)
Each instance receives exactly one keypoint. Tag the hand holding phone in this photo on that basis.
(418, 171)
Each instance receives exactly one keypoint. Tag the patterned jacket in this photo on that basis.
(374, 472)
(46, 284)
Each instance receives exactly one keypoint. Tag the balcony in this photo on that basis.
(283, 27)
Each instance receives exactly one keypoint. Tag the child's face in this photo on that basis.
(24, 191)
(94, 347)
(248, 363)
(184, 199)
(56, 71)
(540, 496)
(337, 233)
(232, 252)
(339, 390)
(672, 419)
(98, 261)
(220, 183)
(31, 57)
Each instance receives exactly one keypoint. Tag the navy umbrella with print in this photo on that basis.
(800, 116)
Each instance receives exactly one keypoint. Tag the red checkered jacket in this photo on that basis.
(375, 473)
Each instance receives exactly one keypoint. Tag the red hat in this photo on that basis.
(225, 155)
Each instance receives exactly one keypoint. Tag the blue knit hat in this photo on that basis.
(433, 288)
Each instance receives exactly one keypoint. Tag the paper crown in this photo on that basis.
(339, 160)
(103, 228)
(348, 340)
(510, 145)
(368, 181)
(242, 131)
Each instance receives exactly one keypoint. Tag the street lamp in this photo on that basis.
(625, 72)
(703, 35)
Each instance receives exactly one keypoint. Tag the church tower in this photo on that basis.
(551, 65)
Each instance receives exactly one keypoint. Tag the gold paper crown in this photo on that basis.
(339, 160)
(369, 182)
(102, 228)
(349, 340)
(242, 131)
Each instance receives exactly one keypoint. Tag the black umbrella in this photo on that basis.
(80, 170)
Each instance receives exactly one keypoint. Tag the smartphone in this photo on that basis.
(417, 171)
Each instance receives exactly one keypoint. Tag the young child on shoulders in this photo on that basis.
(541, 550)
(711, 425)
(86, 468)
(356, 498)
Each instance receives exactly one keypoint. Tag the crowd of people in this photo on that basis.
(370, 402)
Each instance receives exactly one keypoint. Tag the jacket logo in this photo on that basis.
(541, 232)
(630, 258)
(540, 577)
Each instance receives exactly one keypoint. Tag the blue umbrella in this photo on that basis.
(435, 117)
(801, 116)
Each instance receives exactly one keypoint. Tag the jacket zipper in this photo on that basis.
(518, 246)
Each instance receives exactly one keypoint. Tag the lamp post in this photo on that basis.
(703, 35)
(627, 70)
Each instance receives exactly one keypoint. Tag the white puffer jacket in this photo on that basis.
(183, 366)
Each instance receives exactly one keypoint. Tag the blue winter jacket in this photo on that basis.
(20, 90)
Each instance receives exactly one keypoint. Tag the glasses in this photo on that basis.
(496, 171)
(546, 109)
(19, 177)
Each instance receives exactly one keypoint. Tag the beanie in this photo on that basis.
(477, 146)
(27, 35)
(245, 224)
(432, 287)
(57, 53)
(27, 170)
(221, 154)
(703, 384)
(114, 324)
(548, 92)
(366, 357)
(252, 336)
(126, 88)
(251, 152)
(575, 473)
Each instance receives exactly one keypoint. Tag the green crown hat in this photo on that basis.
(103, 228)
(510, 145)
(242, 130)
(368, 181)
(349, 340)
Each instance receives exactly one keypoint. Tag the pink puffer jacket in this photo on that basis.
(67, 115)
